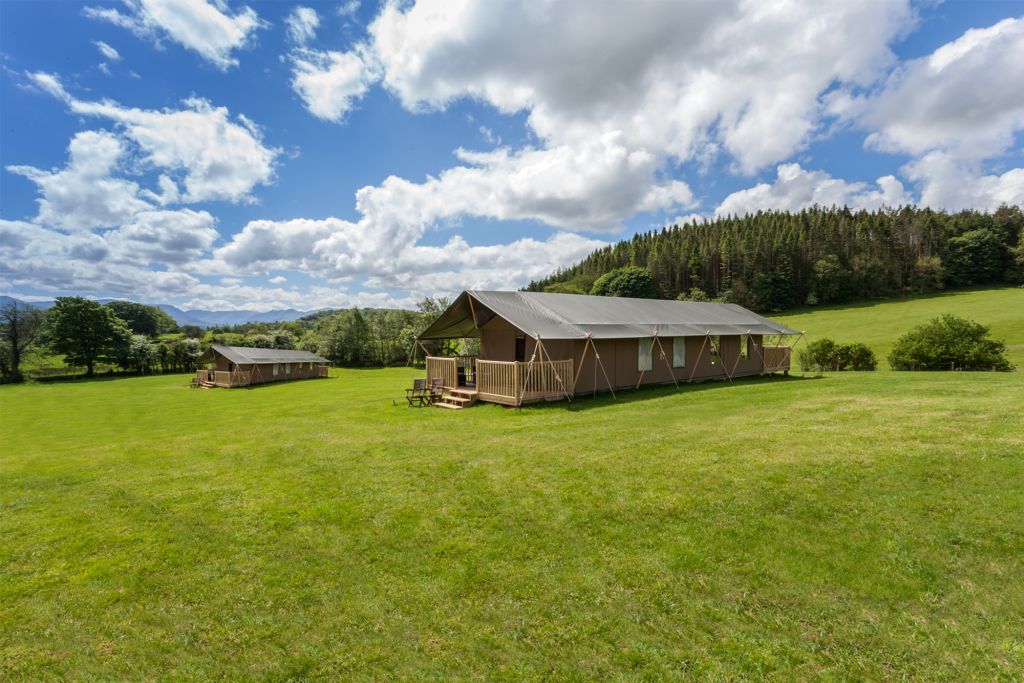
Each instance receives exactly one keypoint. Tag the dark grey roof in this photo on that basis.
(244, 355)
(576, 316)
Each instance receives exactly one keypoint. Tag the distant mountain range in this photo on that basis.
(204, 318)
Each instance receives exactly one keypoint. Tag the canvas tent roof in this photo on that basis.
(576, 316)
(243, 355)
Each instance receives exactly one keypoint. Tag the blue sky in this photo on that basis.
(269, 154)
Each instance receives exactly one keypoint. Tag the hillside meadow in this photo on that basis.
(880, 323)
(852, 526)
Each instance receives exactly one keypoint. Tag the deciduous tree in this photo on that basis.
(21, 327)
(86, 332)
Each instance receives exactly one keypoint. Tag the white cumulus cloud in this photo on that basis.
(795, 188)
(302, 23)
(219, 157)
(330, 82)
(208, 28)
(949, 183)
(107, 51)
(966, 98)
(84, 195)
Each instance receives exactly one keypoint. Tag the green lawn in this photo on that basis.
(879, 324)
(858, 526)
(862, 525)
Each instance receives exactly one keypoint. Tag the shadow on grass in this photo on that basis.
(277, 382)
(106, 377)
(646, 393)
(186, 379)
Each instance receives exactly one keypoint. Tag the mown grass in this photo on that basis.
(879, 324)
(852, 526)
(861, 526)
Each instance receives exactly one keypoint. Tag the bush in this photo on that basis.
(695, 294)
(630, 281)
(825, 354)
(949, 342)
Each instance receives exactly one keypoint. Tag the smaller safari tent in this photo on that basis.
(240, 366)
(537, 346)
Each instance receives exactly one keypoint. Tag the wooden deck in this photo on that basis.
(509, 383)
(261, 375)
(467, 379)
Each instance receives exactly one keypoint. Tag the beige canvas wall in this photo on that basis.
(619, 358)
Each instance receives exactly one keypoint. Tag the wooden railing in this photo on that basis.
(448, 369)
(776, 358)
(546, 381)
(496, 381)
(514, 383)
(444, 368)
(507, 382)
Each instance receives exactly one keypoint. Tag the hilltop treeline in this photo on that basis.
(776, 260)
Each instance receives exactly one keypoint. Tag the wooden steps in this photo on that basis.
(457, 399)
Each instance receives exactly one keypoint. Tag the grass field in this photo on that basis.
(855, 526)
(880, 324)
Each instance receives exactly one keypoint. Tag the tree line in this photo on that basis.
(776, 260)
(129, 337)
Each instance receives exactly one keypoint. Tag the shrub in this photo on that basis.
(825, 354)
(695, 294)
(631, 281)
(855, 356)
(949, 342)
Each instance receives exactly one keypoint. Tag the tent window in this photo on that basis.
(520, 348)
(716, 347)
(287, 368)
(644, 361)
(679, 352)
(745, 347)
(275, 369)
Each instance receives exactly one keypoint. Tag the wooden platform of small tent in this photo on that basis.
(237, 366)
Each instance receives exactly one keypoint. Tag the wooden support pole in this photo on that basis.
(798, 340)
(554, 369)
(583, 357)
(529, 372)
(759, 352)
(739, 352)
(650, 356)
(472, 311)
(700, 353)
(667, 361)
(718, 350)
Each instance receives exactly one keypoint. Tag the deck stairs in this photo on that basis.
(457, 399)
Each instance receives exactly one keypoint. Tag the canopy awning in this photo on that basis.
(244, 355)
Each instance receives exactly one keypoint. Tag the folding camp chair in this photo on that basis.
(418, 395)
(436, 390)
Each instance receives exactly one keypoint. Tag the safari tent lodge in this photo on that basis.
(539, 346)
(239, 366)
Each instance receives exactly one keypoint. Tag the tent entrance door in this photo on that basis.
(466, 372)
